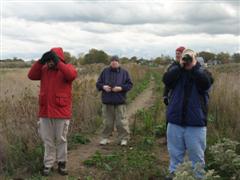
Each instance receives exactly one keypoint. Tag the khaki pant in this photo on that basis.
(115, 114)
(53, 133)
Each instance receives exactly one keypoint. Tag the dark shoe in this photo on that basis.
(46, 171)
(170, 177)
(62, 168)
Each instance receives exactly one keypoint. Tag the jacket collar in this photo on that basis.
(115, 69)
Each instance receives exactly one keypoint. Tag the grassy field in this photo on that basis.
(21, 149)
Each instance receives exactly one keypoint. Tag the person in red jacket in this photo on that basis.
(55, 106)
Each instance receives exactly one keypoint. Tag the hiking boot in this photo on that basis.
(104, 141)
(124, 142)
(46, 171)
(62, 168)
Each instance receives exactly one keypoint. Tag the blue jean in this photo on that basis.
(181, 139)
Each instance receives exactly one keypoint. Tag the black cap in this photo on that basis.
(114, 58)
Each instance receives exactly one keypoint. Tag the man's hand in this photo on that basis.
(117, 89)
(54, 57)
(191, 65)
(165, 100)
(45, 57)
(107, 88)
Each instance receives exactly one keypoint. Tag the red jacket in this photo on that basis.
(55, 98)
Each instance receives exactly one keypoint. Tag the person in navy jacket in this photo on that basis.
(114, 82)
(189, 84)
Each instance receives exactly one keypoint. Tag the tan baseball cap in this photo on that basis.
(190, 52)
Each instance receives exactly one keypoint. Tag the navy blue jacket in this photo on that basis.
(188, 102)
(114, 77)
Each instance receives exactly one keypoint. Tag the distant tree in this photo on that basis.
(207, 56)
(236, 57)
(134, 59)
(142, 61)
(168, 59)
(80, 58)
(69, 58)
(158, 60)
(96, 56)
(14, 63)
(223, 57)
(124, 60)
(163, 60)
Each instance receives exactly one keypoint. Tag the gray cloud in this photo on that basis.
(122, 13)
(206, 17)
(140, 28)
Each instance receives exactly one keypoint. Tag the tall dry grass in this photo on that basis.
(13, 81)
(20, 145)
(224, 108)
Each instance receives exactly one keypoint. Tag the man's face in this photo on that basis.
(51, 64)
(114, 64)
(178, 56)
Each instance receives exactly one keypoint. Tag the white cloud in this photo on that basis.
(144, 29)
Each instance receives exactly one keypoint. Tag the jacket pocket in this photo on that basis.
(62, 99)
(42, 99)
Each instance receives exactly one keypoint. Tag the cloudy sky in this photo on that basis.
(126, 28)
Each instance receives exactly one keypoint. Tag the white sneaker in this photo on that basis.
(123, 142)
(104, 141)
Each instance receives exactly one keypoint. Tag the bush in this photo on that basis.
(186, 172)
(225, 160)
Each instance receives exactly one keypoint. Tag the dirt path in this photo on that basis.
(144, 100)
(83, 152)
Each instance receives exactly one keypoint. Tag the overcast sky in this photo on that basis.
(126, 28)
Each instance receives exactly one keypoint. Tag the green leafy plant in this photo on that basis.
(160, 130)
(102, 161)
(185, 171)
(224, 159)
(79, 139)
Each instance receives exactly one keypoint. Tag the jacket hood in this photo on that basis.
(59, 53)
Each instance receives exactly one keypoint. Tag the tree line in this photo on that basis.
(99, 56)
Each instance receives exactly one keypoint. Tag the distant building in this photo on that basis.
(214, 62)
(201, 61)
